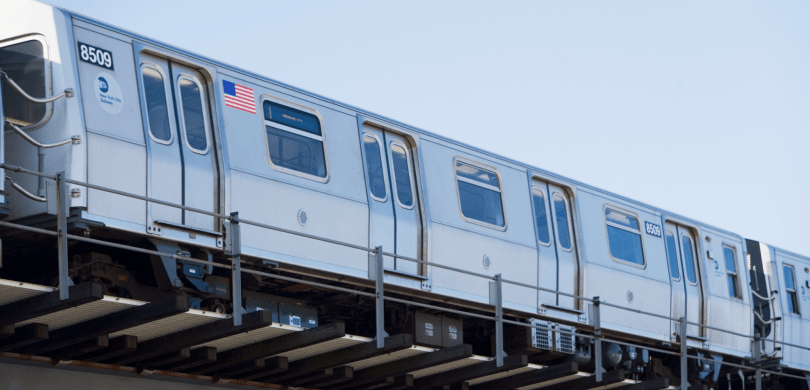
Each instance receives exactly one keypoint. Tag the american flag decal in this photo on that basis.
(239, 97)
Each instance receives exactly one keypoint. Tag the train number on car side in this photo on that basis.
(96, 56)
(653, 229)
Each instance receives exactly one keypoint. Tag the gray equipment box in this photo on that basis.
(452, 332)
(252, 305)
(297, 315)
(427, 330)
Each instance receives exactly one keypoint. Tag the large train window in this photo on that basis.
(688, 258)
(541, 216)
(731, 272)
(624, 237)
(479, 195)
(157, 111)
(376, 175)
(193, 116)
(25, 63)
(790, 287)
(295, 142)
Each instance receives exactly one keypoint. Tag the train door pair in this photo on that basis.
(687, 283)
(558, 267)
(395, 218)
(182, 163)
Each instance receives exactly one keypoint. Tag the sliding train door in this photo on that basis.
(395, 216)
(183, 166)
(556, 248)
(681, 243)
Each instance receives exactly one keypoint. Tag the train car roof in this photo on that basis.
(381, 117)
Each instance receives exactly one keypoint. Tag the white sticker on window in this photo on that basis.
(108, 93)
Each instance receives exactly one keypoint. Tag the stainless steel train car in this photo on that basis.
(118, 110)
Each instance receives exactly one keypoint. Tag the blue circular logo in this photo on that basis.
(716, 266)
(802, 290)
(103, 86)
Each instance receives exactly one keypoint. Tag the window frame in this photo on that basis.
(500, 191)
(169, 102)
(548, 215)
(569, 218)
(382, 164)
(393, 174)
(738, 288)
(791, 294)
(622, 227)
(182, 117)
(46, 57)
(279, 126)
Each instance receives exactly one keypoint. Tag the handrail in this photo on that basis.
(68, 92)
(34, 142)
(772, 297)
(24, 192)
(762, 320)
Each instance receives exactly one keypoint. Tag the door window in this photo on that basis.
(672, 256)
(561, 220)
(541, 216)
(688, 258)
(157, 110)
(790, 287)
(402, 175)
(193, 115)
(731, 272)
(374, 167)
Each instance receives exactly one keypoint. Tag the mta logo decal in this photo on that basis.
(802, 290)
(716, 265)
(103, 86)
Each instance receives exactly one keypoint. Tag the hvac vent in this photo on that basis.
(541, 334)
(564, 342)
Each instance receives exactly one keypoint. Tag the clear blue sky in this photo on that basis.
(701, 108)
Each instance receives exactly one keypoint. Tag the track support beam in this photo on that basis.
(48, 303)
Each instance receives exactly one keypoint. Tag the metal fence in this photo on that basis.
(58, 204)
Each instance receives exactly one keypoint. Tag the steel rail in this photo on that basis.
(427, 306)
(28, 228)
(761, 319)
(772, 297)
(746, 367)
(147, 251)
(19, 169)
(720, 330)
(641, 312)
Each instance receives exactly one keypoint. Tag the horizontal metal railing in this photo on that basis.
(234, 219)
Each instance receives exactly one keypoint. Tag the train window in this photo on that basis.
(731, 272)
(402, 175)
(294, 139)
(194, 120)
(790, 287)
(479, 194)
(541, 216)
(688, 258)
(376, 176)
(624, 237)
(672, 256)
(23, 62)
(561, 220)
(157, 111)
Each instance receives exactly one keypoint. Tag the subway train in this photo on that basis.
(142, 117)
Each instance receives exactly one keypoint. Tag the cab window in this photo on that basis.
(23, 62)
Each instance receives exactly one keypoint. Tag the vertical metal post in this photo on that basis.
(597, 341)
(236, 267)
(61, 234)
(757, 360)
(2, 144)
(380, 303)
(684, 359)
(499, 320)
